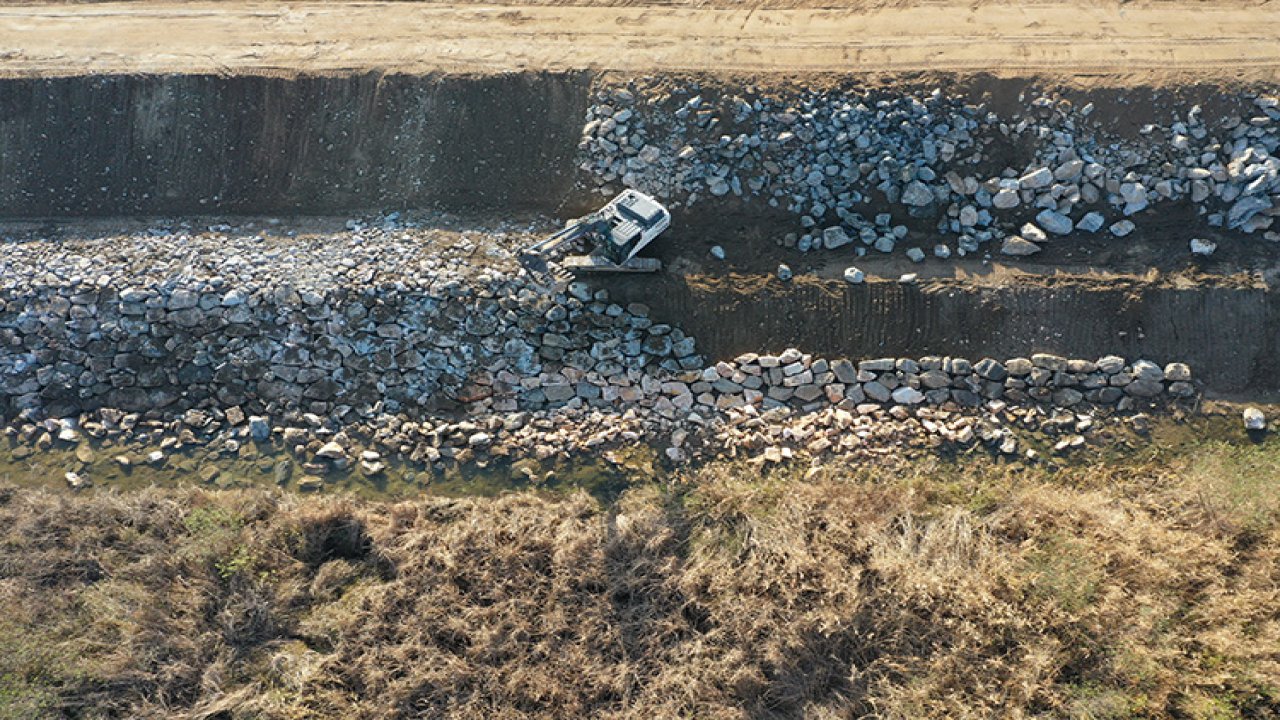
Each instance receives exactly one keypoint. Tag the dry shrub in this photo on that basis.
(924, 590)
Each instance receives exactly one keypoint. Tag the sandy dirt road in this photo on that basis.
(1221, 40)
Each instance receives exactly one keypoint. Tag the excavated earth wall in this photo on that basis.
(184, 144)
(202, 144)
(1227, 332)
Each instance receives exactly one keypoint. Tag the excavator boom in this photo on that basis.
(536, 257)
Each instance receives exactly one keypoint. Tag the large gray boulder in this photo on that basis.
(1055, 222)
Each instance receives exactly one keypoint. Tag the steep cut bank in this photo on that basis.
(1225, 331)
(154, 144)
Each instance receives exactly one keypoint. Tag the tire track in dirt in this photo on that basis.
(1174, 39)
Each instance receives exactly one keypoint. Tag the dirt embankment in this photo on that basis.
(1226, 332)
(190, 107)
(281, 143)
(1218, 39)
(201, 144)
(183, 144)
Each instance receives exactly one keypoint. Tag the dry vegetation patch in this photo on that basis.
(927, 590)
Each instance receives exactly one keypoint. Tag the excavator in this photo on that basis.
(612, 236)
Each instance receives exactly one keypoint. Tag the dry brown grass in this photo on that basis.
(930, 590)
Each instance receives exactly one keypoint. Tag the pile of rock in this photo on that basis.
(776, 435)
(541, 435)
(197, 440)
(441, 360)
(279, 339)
(829, 156)
(799, 380)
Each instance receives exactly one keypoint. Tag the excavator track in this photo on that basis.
(597, 264)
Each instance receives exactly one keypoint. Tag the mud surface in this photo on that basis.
(116, 466)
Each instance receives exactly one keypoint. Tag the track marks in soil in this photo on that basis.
(1159, 40)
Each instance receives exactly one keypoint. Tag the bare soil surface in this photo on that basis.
(1164, 41)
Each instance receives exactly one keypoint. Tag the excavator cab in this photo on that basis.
(635, 219)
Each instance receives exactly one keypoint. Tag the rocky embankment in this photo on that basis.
(432, 346)
(854, 165)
